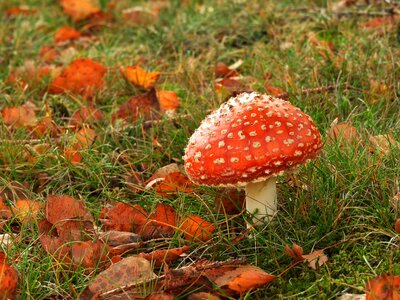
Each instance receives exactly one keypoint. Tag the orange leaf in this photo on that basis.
(89, 254)
(83, 77)
(123, 217)
(397, 226)
(19, 116)
(46, 126)
(345, 134)
(389, 22)
(160, 257)
(196, 229)
(26, 210)
(315, 259)
(66, 34)
(173, 183)
(161, 222)
(223, 71)
(48, 53)
(144, 105)
(20, 10)
(80, 9)
(168, 100)
(140, 77)
(85, 115)
(383, 287)
(244, 279)
(8, 279)
(85, 137)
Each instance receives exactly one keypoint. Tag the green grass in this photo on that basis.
(341, 201)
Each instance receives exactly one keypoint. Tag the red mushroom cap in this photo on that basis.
(250, 138)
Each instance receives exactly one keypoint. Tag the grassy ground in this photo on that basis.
(342, 199)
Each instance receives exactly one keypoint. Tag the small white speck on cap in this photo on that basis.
(230, 135)
(234, 159)
(221, 144)
(263, 127)
(267, 171)
(202, 177)
(253, 133)
(246, 148)
(188, 165)
(279, 132)
(269, 114)
(277, 163)
(300, 127)
(244, 175)
(229, 147)
(249, 157)
(208, 146)
(300, 145)
(219, 161)
(268, 139)
(291, 133)
(224, 131)
(247, 123)
(197, 155)
(275, 150)
(278, 124)
(288, 142)
(288, 124)
(308, 132)
(298, 153)
(253, 115)
(256, 145)
(241, 135)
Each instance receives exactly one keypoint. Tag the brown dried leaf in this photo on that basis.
(174, 183)
(345, 134)
(316, 259)
(168, 100)
(62, 207)
(8, 279)
(196, 229)
(140, 77)
(397, 226)
(19, 116)
(128, 271)
(161, 222)
(80, 9)
(66, 33)
(116, 238)
(123, 217)
(383, 287)
(383, 143)
(26, 210)
(203, 296)
(165, 256)
(85, 115)
(230, 201)
(223, 71)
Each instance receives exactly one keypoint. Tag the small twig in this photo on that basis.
(316, 90)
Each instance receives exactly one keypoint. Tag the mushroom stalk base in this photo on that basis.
(261, 200)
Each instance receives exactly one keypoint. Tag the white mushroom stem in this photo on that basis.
(261, 200)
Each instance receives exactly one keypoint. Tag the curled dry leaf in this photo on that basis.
(85, 115)
(89, 254)
(174, 183)
(140, 77)
(66, 33)
(344, 134)
(168, 100)
(315, 259)
(165, 256)
(223, 71)
(8, 279)
(82, 77)
(383, 287)
(126, 272)
(80, 9)
(19, 116)
(144, 106)
(123, 217)
(195, 228)
(397, 226)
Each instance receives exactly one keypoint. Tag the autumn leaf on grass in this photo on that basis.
(80, 9)
(380, 22)
(26, 210)
(315, 259)
(81, 140)
(344, 134)
(140, 77)
(383, 287)
(128, 271)
(325, 48)
(46, 126)
(383, 143)
(85, 115)
(195, 228)
(174, 183)
(83, 77)
(161, 222)
(123, 217)
(8, 279)
(168, 100)
(19, 116)
(223, 71)
(20, 11)
(144, 106)
(89, 254)
(164, 256)
(66, 33)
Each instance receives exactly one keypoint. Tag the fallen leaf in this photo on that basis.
(243, 279)
(388, 22)
(46, 126)
(26, 210)
(139, 16)
(344, 134)
(383, 143)
(89, 255)
(140, 106)
(82, 77)
(66, 33)
(203, 296)
(15, 190)
(123, 217)
(195, 228)
(352, 297)
(164, 171)
(60, 208)
(48, 54)
(80, 9)
(140, 77)
(117, 238)
(383, 287)
(223, 71)
(20, 11)
(168, 100)
(315, 259)
(160, 296)
(174, 183)
(85, 115)
(230, 86)
(8, 279)
(165, 256)
(128, 271)
(19, 116)
(161, 222)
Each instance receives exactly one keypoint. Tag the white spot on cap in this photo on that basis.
(275, 150)
(277, 163)
(230, 135)
(279, 132)
(208, 147)
(221, 144)
(300, 127)
(253, 133)
(202, 177)
(269, 114)
(277, 123)
(188, 165)
(268, 139)
(224, 131)
(219, 161)
(256, 145)
(241, 135)
(248, 157)
(246, 123)
(288, 124)
(234, 159)
(298, 153)
(197, 155)
(288, 142)
(230, 147)
(253, 115)
(263, 127)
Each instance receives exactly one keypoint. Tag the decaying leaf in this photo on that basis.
(344, 134)
(203, 296)
(89, 254)
(19, 116)
(173, 183)
(161, 222)
(20, 10)
(117, 238)
(223, 71)
(128, 271)
(8, 279)
(80, 9)
(196, 229)
(85, 115)
(26, 210)
(383, 143)
(315, 259)
(383, 287)
(123, 217)
(381, 22)
(397, 226)
(140, 77)
(168, 100)
(140, 106)
(165, 256)
(60, 208)
(83, 77)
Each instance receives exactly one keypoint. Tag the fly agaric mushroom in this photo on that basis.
(248, 141)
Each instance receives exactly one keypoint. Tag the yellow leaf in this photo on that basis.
(140, 77)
